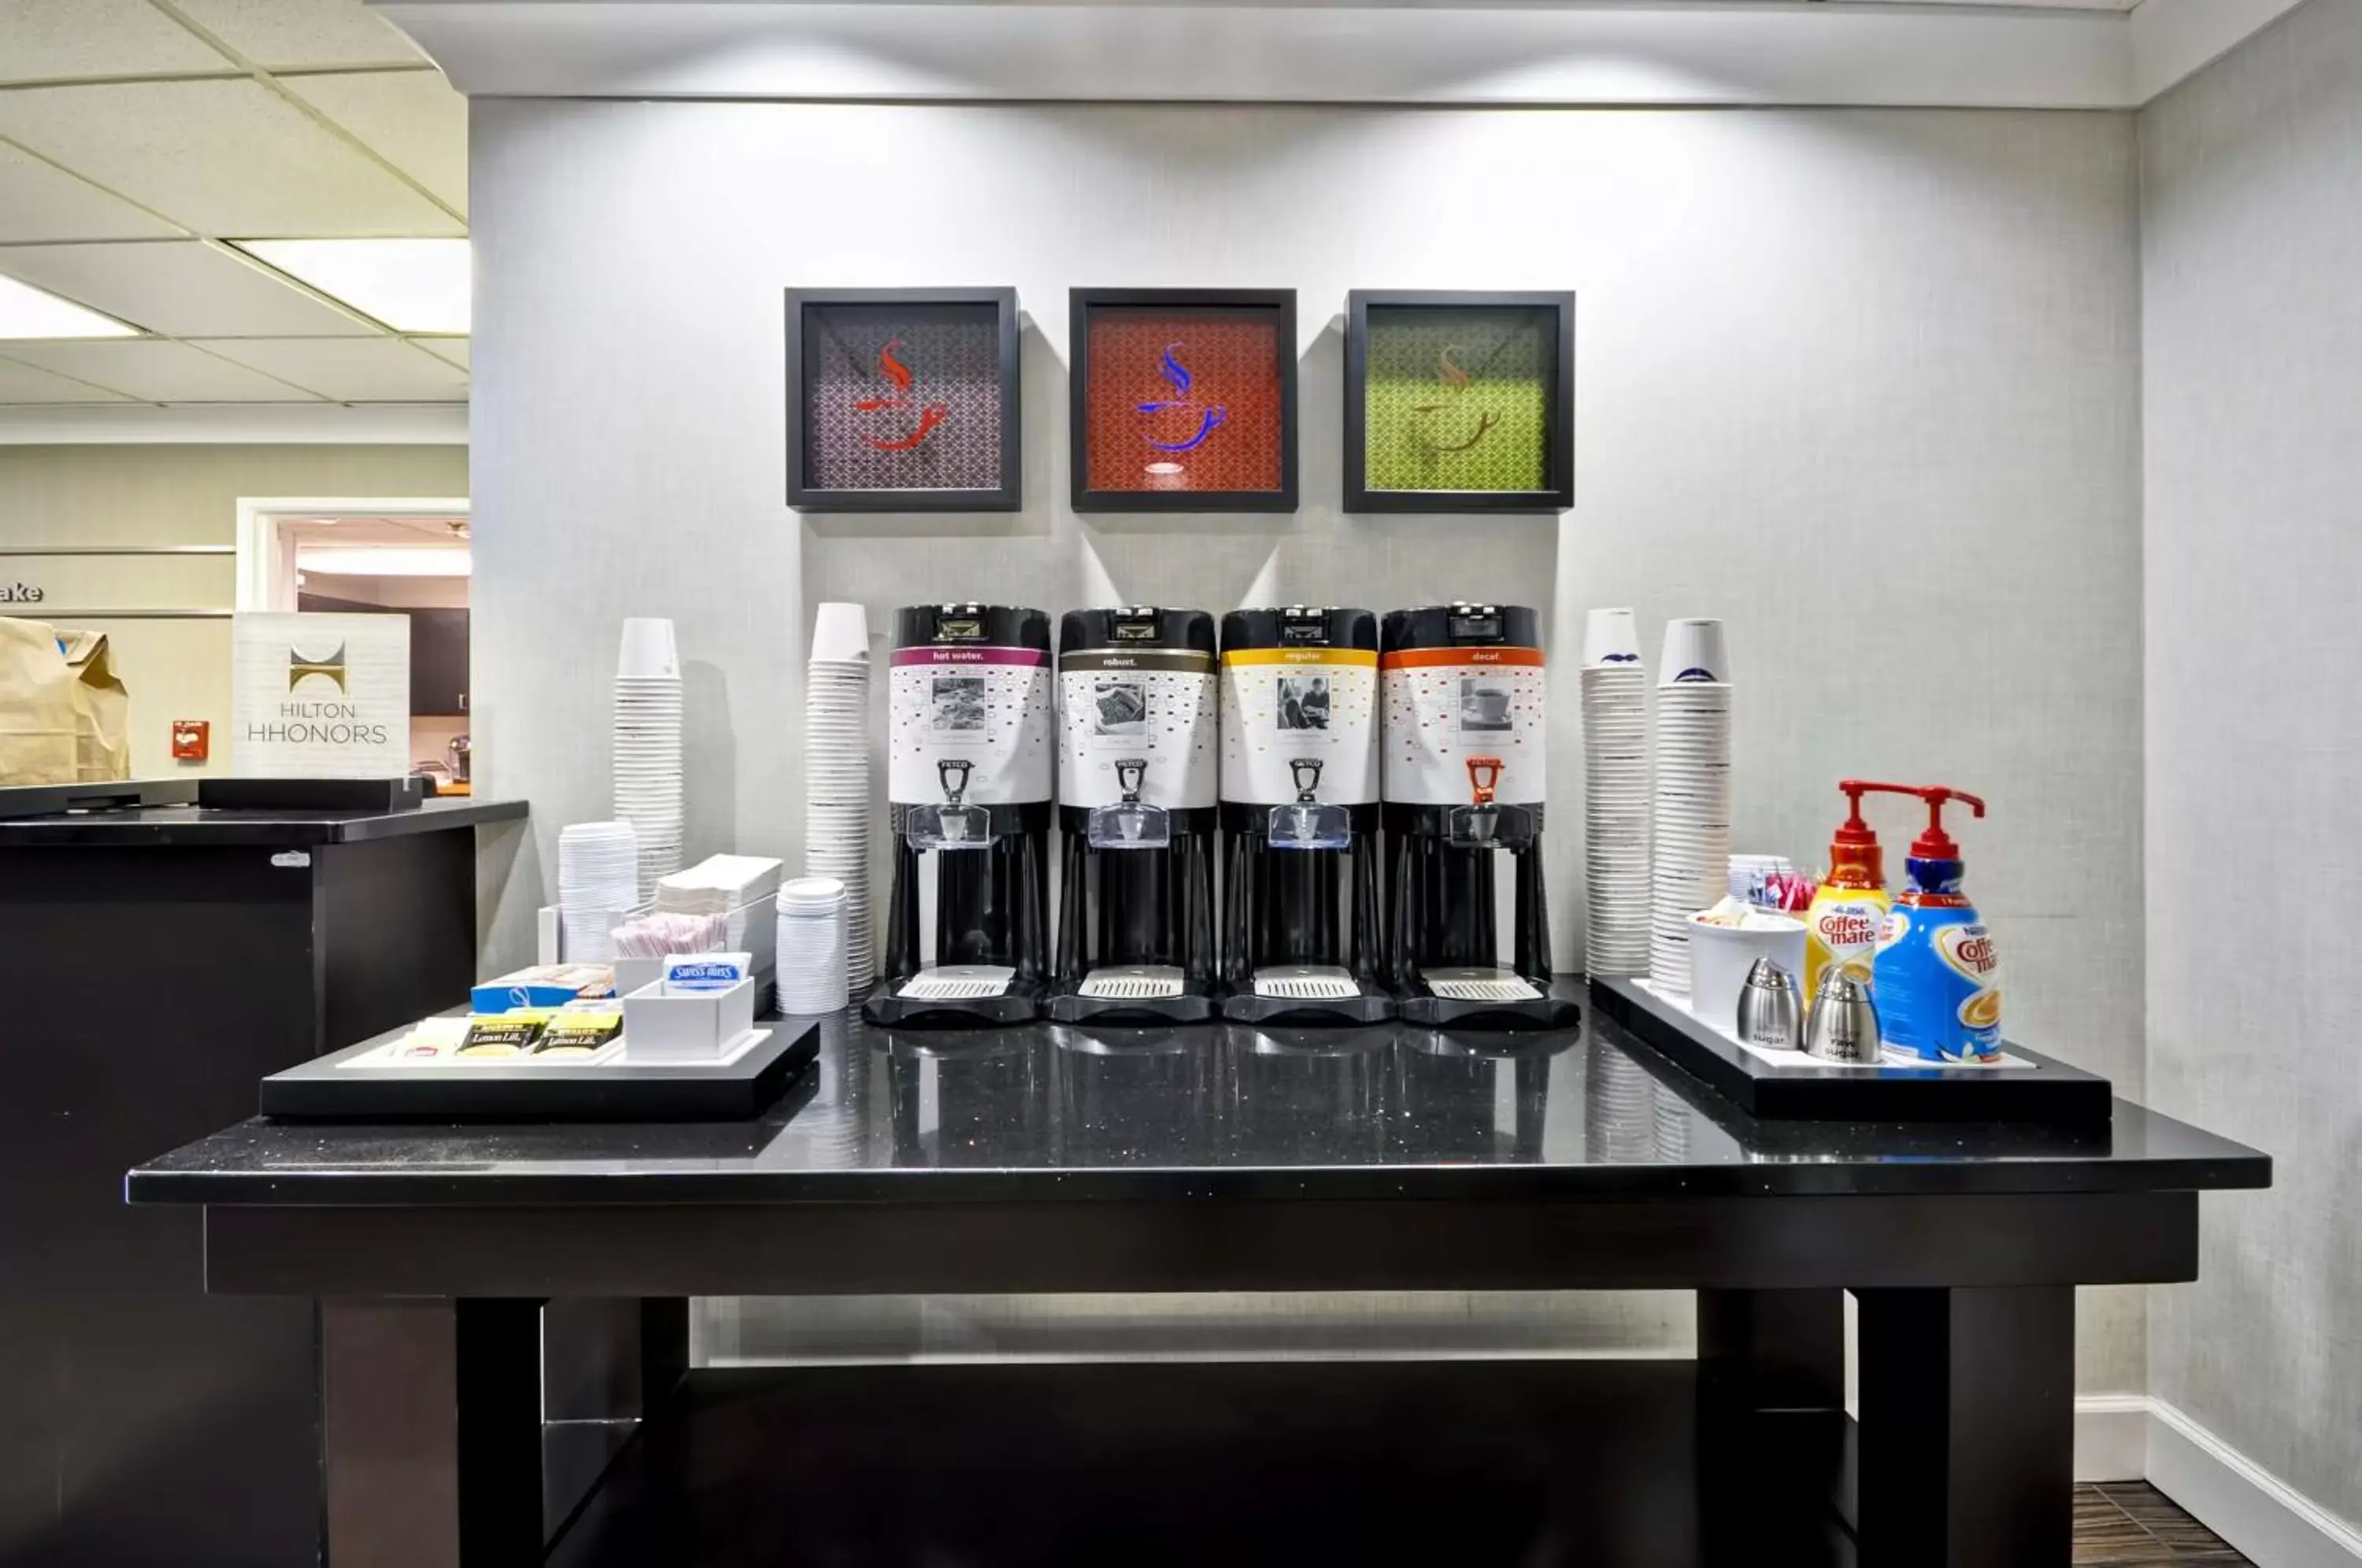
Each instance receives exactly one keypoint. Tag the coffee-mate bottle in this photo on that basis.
(1842, 926)
(1937, 977)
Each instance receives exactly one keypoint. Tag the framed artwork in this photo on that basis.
(1183, 399)
(1459, 402)
(902, 400)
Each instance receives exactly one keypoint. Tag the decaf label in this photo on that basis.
(321, 696)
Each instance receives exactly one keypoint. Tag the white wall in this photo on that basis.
(2251, 177)
(1863, 382)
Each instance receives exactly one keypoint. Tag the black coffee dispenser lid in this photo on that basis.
(1299, 626)
(1135, 626)
(1463, 627)
(981, 626)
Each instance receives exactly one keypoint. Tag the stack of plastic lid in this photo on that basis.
(837, 776)
(647, 746)
(812, 946)
(1691, 833)
(1614, 795)
(598, 879)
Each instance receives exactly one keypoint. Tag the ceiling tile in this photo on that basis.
(38, 202)
(353, 370)
(180, 288)
(41, 40)
(452, 348)
(414, 120)
(293, 34)
(23, 383)
(157, 371)
(225, 157)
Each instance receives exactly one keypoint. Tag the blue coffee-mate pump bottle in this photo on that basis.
(1937, 976)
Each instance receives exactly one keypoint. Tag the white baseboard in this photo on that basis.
(2110, 1437)
(2266, 1519)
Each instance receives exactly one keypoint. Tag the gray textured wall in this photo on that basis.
(2251, 179)
(1863, 382)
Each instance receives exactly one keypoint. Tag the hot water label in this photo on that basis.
(989, 707)
(1281, 706)
(1443, 706)
(1153, 705)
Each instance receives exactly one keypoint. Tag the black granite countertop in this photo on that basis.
(171, 825)
(1214, 1112)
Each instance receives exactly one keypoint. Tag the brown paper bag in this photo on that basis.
(37, 706)
(101, 711)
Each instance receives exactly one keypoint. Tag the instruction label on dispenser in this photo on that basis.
(986, 706)
(1153, 704)
(1283, 705)
(1446, 705)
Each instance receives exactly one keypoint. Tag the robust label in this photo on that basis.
(1443, 706)
(989, 707)
(1281, 706)
(1154, 706)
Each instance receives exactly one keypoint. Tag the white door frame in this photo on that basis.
(266, 572)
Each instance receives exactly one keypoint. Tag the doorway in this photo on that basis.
(408, 556)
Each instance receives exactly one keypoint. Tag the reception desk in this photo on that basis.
(160, 961)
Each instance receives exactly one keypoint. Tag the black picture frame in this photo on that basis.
(1556, 495)
(1081, 305)
(1008, 496)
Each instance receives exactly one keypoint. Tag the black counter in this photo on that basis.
(1211, 1158)
(160, 827)
(1053, 1114)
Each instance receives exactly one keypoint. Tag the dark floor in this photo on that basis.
(2131, 1524)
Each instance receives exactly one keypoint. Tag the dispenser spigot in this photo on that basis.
(1483, 778)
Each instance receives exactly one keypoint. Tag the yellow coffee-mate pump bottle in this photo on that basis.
(1842, 926)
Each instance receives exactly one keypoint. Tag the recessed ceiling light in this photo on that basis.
(27, 312)
(426, 561)
(411, 285)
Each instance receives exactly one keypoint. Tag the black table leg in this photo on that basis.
(432, 1431)
(1771, 1422)
(1967, 1427)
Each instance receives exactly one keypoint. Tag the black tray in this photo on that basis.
(373, 795)
(2050, 1091)
(322, 1090)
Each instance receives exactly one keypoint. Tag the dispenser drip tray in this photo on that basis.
(958, 982)
(1305, 982)
(1132, 982)
(1481, 985)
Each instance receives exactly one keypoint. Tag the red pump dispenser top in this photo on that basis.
(1936, 843)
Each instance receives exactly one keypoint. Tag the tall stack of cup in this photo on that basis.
(647, 760)
(837, 776)
(1691, 829)
(1614, 795)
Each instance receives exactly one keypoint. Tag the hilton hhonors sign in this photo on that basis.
(320, 696)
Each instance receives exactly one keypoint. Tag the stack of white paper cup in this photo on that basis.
(1616, 796)
(1691, 833)
(598, 878)
(647, 760)
(812, 945)
(836, 775)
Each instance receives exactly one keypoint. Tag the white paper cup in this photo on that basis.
(1694, 651)
(1611, 639)
(1720, 957)
(840, 632)
(649, 652)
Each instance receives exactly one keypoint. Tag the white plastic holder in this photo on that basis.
(691, 1026)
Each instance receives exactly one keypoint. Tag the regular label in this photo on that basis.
(1281, 706)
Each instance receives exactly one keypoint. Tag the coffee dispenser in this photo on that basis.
(969, 754)
(1462, 695)
(1300, 940)
(1137, 765)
